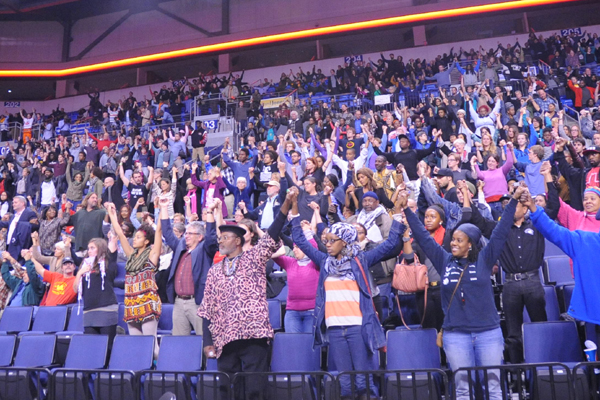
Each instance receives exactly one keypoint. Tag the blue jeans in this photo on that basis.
(350, 353)
(298, 321)
(475, 349)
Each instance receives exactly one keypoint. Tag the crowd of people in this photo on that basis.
(466, 183)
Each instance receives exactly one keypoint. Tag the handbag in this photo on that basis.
(410, 278)
(384, 348)
(439, 340)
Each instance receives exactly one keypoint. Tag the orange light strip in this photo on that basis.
(377, 23)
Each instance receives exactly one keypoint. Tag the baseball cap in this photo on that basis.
(273, 183)
(444, 172)
(68, 260)
(590, 150)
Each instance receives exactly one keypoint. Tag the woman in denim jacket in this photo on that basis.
(344, 314)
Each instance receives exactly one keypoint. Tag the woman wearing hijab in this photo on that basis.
(344, 311)
(472, 333)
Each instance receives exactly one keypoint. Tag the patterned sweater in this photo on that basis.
(236, 305)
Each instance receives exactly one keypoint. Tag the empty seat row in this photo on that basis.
(129, 370)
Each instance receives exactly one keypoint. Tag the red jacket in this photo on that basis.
(579, 93)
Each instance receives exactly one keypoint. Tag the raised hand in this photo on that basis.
(519, 191)
(546, 168)
(402, 199)
(292, 194)
(314, 206)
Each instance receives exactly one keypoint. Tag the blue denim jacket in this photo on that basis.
(372, 331)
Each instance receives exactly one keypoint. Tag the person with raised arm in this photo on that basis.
(142, 302)
(472, 334)
(345, 316)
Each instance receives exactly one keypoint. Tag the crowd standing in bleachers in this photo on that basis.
(464, 178)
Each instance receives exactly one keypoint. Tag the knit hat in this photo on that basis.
(592, 189)
(473, 232)
(371, 194)
(471, 188)
(483, 107)
(440, 210)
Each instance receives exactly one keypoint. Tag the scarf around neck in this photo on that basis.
(368, 220)
(101, 267)
(137, 260)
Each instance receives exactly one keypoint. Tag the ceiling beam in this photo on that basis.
(102, 36)
(184, 22)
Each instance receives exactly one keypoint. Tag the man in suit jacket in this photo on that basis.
(113, 187)
(18, 236)
(265, 213)
(192, 257)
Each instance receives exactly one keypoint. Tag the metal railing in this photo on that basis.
(543, 381)
(418, 384)
(545, 68)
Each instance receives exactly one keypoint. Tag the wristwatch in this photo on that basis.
(405, 239)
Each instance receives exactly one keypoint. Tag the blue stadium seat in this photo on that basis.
(49, 320)
(7, 349)
(558, 270)
(120, 278)
(16, 319)
(165, 323)
(122, 323)
(408, 350)
(120, 293)
(275, 314)
(556, 341)
(414, 349)
(75, 320)
(293, 352)
(129, 353)
(545, 342)
(177, 353)
(63, 338)
(35, 351)
(552, 308)
(552, 250)
(282, 296)
(85, 352)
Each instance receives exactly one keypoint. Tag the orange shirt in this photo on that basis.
(61, 289)
(342, 302)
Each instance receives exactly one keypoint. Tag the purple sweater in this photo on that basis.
(495, 180)
(302, 282)
(218, 193)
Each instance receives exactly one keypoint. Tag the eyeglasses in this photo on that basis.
(331, 241)
(191, 233)
(223, 237)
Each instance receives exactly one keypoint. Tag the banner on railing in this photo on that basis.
(274, 102)
(383, 99)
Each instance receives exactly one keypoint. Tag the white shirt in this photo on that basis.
(48, 192)
(267, 216)
(12, 226)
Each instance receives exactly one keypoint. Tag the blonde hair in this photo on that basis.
(492, 149)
